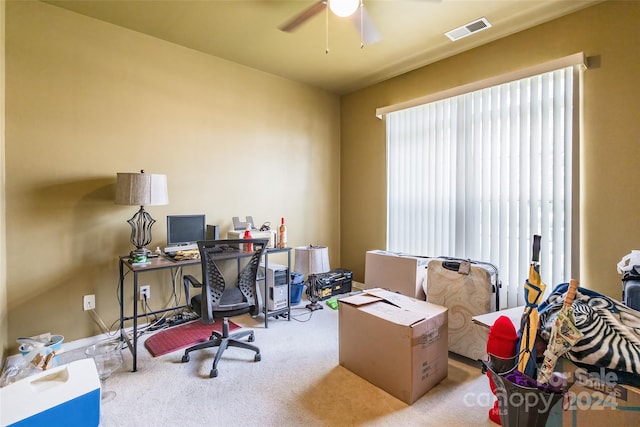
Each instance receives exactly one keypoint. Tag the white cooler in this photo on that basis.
(67, 395)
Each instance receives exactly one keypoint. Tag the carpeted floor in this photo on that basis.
(299, 382)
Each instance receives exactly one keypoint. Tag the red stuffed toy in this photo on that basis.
(502, 342)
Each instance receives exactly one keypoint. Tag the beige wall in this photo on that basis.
(85, 100)
(3, 258)
(609, 202)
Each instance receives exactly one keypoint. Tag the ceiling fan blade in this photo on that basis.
(303, 16)
(365, 26)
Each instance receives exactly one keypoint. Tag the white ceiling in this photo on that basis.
(247, 32)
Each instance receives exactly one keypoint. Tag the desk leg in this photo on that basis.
(289, 286)
(266, 291)
(134, 350)
(121, 302)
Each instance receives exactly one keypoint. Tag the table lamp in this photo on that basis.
(141, 189)
(311, 260)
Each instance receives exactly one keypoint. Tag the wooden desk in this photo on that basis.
(157, 263)
(164, 262)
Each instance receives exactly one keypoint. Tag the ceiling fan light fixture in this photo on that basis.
(344, 8)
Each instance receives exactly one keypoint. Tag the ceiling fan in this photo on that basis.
(353, 9)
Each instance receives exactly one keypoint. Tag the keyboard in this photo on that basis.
(174, 249)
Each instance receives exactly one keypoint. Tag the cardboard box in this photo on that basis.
(393, 341)
(596, 398)
(396, 272)
(67, 395)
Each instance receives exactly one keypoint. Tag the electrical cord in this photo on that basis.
(113, 325)
(303, 312)
(108, 330)
(151, 324)
(148, 310)
(171, 317)
(173, 298)
(98, 320)
(167, 319)
(174, 281)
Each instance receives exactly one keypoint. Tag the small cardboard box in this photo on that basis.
(597, 398)
(396, 272)
(393, 341)
(67, 395)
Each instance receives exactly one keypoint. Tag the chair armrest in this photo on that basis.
(188, 279)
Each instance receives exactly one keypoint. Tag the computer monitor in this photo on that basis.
(185, 229)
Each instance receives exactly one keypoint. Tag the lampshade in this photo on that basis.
(141, 189)
(312, 259)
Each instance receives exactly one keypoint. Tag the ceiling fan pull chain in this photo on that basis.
(326, 26)
(361, 25)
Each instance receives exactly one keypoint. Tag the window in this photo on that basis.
(478, 174)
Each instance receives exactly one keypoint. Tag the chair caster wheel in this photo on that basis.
(257, 358)
(213, 373)
(185, 358)
(252, 337)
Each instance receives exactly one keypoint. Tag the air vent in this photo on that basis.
(468, 29)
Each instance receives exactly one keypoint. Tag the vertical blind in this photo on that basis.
(477, 175)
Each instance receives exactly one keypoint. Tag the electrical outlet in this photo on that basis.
(145, 292)
(89, 302)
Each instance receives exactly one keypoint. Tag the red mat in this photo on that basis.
(183, 336)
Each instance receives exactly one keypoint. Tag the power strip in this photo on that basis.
(176, 320)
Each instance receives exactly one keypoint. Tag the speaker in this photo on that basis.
(213, 232)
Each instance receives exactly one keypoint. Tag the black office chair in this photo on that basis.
(218, 300)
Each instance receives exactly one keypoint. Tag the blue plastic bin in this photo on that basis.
(297, 285)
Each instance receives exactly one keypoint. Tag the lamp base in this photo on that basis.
(314, 306)
(140, 252)
(313, 293)
(140, 224)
